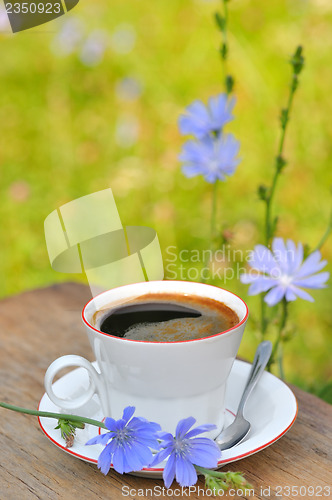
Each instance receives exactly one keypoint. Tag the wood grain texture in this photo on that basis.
(38, 326)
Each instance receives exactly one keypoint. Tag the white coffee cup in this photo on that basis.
(165, 381)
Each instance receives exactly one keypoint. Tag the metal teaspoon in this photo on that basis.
(240, 427)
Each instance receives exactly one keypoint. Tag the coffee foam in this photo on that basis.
(216, 318)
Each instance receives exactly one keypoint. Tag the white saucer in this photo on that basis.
(271, 410)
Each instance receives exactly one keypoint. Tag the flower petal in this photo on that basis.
(247, 278)
(293, 261)
(191, 170)
(204, 457)
(212, 177)
(302, 294)
(102, 439)
(143, 452)
(311, 265)
(184, 426)
(128, 412)
(199, 429)
(280, 254)
(196, 121)
(139, 424)
(186, 474)
(261, 258)
(299, 257)
(220, 109)
(110, 424)
(225, 150)
(119, 460)
(209, 446)
(169, 471)
(315, 281)
(151, 442)
(132, 461)
(161, 456)
(105, 458)
(274, 295)
(261, 284)
(290, 295)
(165, 436)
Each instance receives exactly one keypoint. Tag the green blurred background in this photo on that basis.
(91, 101)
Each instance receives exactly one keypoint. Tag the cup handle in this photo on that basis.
(96, 383)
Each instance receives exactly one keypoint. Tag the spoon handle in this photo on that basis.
(261, 358)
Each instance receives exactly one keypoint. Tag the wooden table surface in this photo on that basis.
(38, 326)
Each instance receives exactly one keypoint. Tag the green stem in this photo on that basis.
(280, 362)
(212, 224)
(222, 21)
(277, 348)
(325, 235)
(72, 418)
(264, 320)
(267, 195)
(268, 225)
(213, 214)
(227, 479)
(215, 473)
(225, 42)
(226, 21)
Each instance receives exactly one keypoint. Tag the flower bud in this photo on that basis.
(297, 61)
(68, 430)
(284, 118)
(229, 82)
(223, 51)
(215, 485)
(280, 163)
(221, 22)
(263, 192)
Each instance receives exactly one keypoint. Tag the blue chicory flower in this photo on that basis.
(283, 272)
(129, 442)
(200, 120)
(184, 451)
(214, 158)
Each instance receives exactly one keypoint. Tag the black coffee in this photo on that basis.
(168, 318)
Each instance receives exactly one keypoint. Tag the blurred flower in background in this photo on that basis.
(211, 153)
(69, 38)
(93, 48)
(126, 131)
(200, 120)
(74, 37)
(123, 39)
(128, 89)
(4, 21)
(19, 191)
(213, 158)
